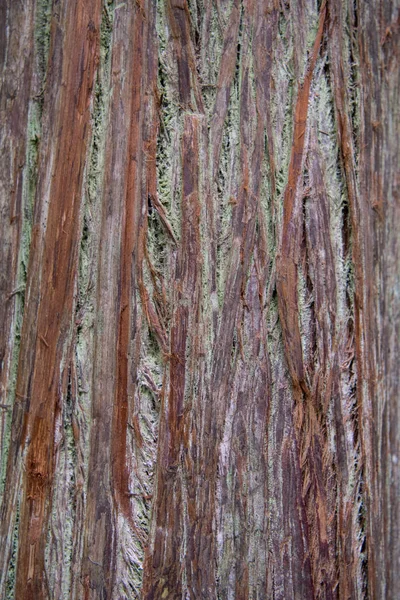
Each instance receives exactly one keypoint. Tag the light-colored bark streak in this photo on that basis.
(16, 73)
(291, 230)
(224, 83)
(108, 477)
(16, 61)
(162, 576)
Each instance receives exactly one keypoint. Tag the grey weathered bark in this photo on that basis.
(199, 299)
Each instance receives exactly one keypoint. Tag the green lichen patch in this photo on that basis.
(12, 570)
(42, 46)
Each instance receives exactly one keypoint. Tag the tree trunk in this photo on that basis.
(199, 299)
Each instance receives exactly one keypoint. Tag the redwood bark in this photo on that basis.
(199, 299)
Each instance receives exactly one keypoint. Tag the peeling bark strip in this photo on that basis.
(286, 270)
(54, 260)
(108, 464)
(162, 578)
(199, 308)
(377, 207)
(131, 217)
(16, 75)
(17, 27)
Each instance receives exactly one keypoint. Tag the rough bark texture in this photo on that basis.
(199, 299)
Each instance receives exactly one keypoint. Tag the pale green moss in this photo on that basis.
(312, 23)
(282, 112)
(169, 138)
(12, 570)
(306, 316)
(210, 62)
(227, 188)
(95, 170)
(59, 546)
(42, 39)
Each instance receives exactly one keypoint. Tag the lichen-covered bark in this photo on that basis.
(199, 299)
(41, 381)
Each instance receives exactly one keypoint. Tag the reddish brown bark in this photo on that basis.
(203, 367)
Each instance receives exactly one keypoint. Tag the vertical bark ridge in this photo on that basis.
(17, 32)
(17, 59)
(286, 266)
(377, 204)
(163, 579)
(131, 217)
(55, 258)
